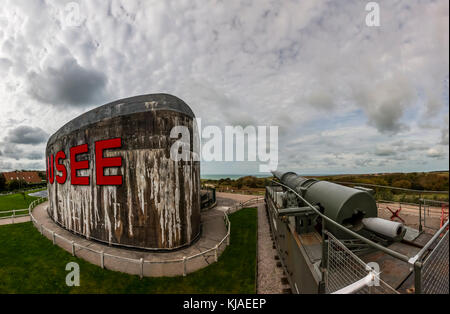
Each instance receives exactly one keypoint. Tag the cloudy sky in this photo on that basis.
(347, 98)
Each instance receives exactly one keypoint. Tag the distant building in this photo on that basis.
(31, 177)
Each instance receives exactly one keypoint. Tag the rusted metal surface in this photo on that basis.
(393, 271)
(158, 204)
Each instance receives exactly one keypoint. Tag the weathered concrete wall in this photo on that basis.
(158, 204)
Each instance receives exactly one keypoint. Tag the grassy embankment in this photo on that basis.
(30, 263)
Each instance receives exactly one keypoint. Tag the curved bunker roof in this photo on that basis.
(136, 104)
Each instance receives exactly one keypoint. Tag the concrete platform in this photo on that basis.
(128, 260)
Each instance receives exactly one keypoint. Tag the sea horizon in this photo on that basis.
(237, 176)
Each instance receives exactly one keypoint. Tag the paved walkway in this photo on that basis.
(269, 275)
(43, 193)
(230, 199)
(8, 221)
(214, 230)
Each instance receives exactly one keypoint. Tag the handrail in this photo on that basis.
(425, 248)
(14, 215)
(357, 285)
(426, 200)
(348, 231)
(13, 210)
(141, 261)
(392, 187)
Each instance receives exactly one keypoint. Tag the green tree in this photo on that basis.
(2, 182)
(17, 185)
(405, 184)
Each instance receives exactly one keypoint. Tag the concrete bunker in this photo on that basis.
(111, 178)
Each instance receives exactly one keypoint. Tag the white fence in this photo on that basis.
(17, 213)
(141, 266)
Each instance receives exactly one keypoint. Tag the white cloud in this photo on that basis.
(311, 67)
(436, 152)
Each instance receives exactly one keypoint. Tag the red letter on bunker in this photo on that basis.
(105, 162)
(50, 172)
(78, 165)
(61, 168)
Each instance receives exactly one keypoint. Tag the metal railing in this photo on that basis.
(423, 204)
(439, 251)
(140, 266)
(17, 213)
(434, 270)
(431, 266)
(252, 201)
(431, 212)
(347, 273)
(391, 188)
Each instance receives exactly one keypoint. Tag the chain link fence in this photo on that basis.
(435, 269)
(346, 273)
(432, 212)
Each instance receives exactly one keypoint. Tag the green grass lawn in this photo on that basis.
(30, 263)
(17, 201)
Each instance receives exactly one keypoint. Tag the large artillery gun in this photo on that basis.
(330, 240)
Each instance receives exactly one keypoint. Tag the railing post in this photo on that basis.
(417, 278)
(420, 213)
(14, 212)
(142, 267)
(228, 239)
(73, 248)
(102, 259)
(324, 261)
(184, 266)
(216, 249)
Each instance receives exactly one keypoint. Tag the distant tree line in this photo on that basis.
(431, 181)
(244, 182)
(419, 181)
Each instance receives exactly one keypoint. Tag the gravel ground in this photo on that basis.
(410, 215)
(269, 275)
(231, 199)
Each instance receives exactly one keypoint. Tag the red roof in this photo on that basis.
(28, 176)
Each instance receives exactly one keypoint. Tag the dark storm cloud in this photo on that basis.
(384, 151)
(69, 84)
(11, 150)
(5, 165)
(34, 155)
(26, 135)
